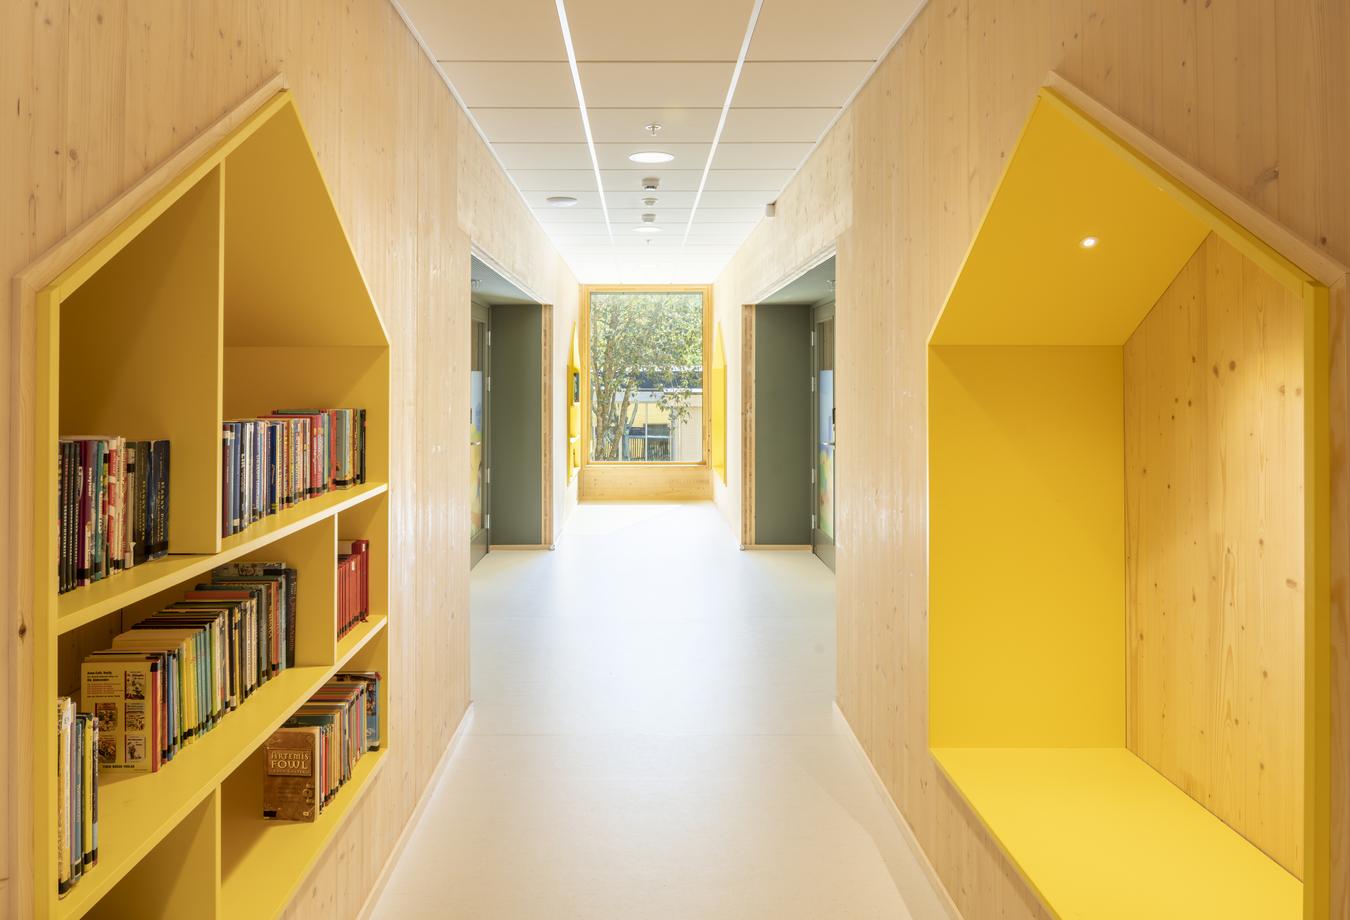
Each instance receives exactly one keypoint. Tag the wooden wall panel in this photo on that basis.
(626, 482)
(1214, 550)
(98, 92)
(1255, 94)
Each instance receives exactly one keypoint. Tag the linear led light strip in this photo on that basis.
(585, 117)
(722, 119)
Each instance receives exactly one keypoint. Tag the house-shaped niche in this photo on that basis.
(1127, 583)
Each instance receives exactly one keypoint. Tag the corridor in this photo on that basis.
(653, 737)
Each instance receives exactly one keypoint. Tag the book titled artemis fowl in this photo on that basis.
(290, 786)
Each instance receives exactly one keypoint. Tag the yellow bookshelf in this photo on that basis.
(1128, 665)
(232, 292)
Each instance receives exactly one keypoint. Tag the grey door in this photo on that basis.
(823, 432)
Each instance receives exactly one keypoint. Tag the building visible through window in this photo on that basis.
(646, 376)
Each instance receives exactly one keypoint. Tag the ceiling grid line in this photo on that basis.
(585, 118)
(738, 93)
(726, 107)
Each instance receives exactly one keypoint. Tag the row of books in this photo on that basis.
(272, 463)
(77, 742)
(113, 506)
(313, 754)
(353, 584)
(173, 676)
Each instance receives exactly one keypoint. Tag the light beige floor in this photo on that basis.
(654, 738)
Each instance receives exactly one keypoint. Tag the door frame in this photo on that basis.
(480, 313)
(822, 313)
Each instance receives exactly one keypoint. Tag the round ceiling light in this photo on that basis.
(1088, 242)
(561, 201)
(651, 156)
(647, 228)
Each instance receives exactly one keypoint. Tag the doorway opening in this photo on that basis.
(509, 418)
(790, 442)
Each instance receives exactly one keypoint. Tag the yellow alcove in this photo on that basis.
(717, 405)
(1127, 588)
(573, 406)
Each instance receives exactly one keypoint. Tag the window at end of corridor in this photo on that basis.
(646, 376)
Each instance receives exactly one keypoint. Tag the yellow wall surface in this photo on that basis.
(1215, 562)
(96, 95)
(1255, 94)
(1024, 449)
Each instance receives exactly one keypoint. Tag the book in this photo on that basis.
(112, 501)
(77, 745)
(273, 462)
(372, 681)
(242, 572)
(65, 719)
(122, 691)
(290, 783)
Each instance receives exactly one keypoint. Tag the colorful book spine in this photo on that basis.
(112, 504)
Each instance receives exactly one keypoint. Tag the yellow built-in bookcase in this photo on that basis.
(232, 292)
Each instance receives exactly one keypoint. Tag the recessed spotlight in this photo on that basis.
(561, 201)
(651, 156)
(1088, 242)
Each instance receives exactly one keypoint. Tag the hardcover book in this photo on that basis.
(290, 785)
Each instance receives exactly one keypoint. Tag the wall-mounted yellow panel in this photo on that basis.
(573, 398)
(1025, 555)
(717, 405)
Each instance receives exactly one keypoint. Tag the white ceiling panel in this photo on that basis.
(527, 83)
(691, 30)
(687, 156)
(555, 181)
(669, 65)
(543, 156)
(565, 181)
(783, 125)
(628, 126)
(841, 30)
(537, 199)
(672, 199)
(666, 85)
(504, 126)
(750, 180)
(796, 85)
(760, 156)
(508, 30)
(553, 218)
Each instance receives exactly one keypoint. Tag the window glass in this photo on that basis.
(646, 376)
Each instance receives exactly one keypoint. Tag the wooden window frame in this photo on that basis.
(585, 335)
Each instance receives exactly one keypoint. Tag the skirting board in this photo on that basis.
(787, 547)
(378, 888)
(518, 547)
(905, 830)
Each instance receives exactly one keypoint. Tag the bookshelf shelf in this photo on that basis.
(236, 280)
(84, 605)
(266, 861)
